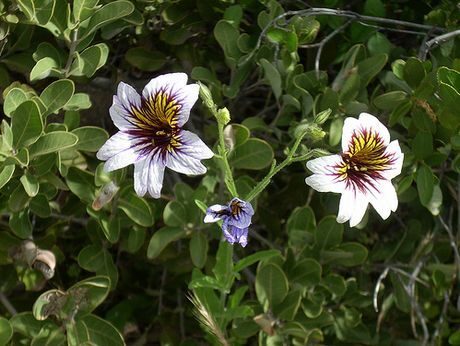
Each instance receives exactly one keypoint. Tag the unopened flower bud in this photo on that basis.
(321, 117)
(105, 195)
(223, 116)
(206, 96)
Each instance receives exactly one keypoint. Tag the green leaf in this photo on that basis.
(137, 209)
(301, 224)
(306, 272)
(175, 214)
(374, 8)
(6, 331)
(90, 138)
(136, 239)
(328, 233)
(288, 308)
(422, 145)
(254, 258)
(40, 206)
(348, 254)
(98, 260)
(413, 72)
(93, 330)
(162, 238)
(199, 249)
(25, 324)
(390, 100)
(370, 67)
(81, 183)
(13, 99)
(30, 184)
(425, 184)
(450, 77)
(253, 154)
(454, 338)
(28, 8)
(223, 270)
(45, 67)
(227, 36)
(18, 199)
(26, 124)
(57, 94)
(82, 9)
(52, 142)
(271, 285)
(272, 76)
(335, 284)
(20, 224)
(92, 59)
(105, 15)
(5, 174)
(94, 290)
(77, 102)
(350, 88)
(144, 59)
(44, 10)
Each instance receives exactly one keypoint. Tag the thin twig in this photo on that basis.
(377, 288)
(442, 317)
(326, 40)
(72, 47)
(338, 13)
(453, 244)
(436, 41)
(410, 289)
(7, 304)
(68, 218)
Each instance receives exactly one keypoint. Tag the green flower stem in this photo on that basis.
(228, 175)
(275, 169)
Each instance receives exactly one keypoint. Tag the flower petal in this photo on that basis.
(182, 163)
(393, 150)
(235, 234)
(148, 176)
(126, 98)
(243, 215)
(214, 213)
(325, 164)
(175, 85)
(367, 122)
(385, 200)
(359, 209)
(352, 207)
(193, 146)
(120, 150)
(325, 183)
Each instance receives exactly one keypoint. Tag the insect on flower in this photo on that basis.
(150, 132)
(362, 173)
(236, 217)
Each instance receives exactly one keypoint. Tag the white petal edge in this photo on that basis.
(119, 151)
(148, 177)
(174, 81)
(185, 164)
(187, 97)
(349, 126)
(325, 164)
(395, 150)
(359, 209)
(346, 206)
(325, 183)
(365, 121)
(370, 121)
(194, 146)
(386, 200)
(209, 218)
(126, 98)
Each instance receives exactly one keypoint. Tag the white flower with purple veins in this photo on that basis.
(362, 173)
(151, 135)
(236, 217)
